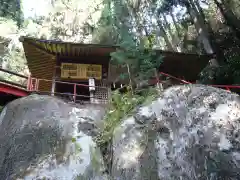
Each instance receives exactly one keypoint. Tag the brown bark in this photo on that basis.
(231, 20)
(200, 27)
(174, 38)
(216, 49)
(164, 33)
(175, 24)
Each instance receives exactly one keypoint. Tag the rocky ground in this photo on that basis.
(187, 133)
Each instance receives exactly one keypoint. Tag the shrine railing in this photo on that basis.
(34, 84)
(226, 87)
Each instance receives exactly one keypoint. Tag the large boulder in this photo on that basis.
(189, 133)
(42, 137)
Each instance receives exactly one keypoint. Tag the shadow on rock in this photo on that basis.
(40, 138)
(190, 133)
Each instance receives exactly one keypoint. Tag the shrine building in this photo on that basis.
(59, 66)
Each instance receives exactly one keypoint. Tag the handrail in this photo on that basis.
(224, 86)
(181, 80)
(71, 94)
(227, 87)
(72, 83)
(33, 86)
(75, 85)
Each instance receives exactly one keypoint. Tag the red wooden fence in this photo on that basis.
(33, 84)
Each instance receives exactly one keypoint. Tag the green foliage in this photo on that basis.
(137, 55)
(141, 62)
(14, 60)
(228, 73)
(95, 161)
(12, 9)
(121, 106)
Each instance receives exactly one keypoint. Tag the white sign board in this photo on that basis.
(91, 83)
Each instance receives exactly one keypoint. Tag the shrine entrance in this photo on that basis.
(85, 82)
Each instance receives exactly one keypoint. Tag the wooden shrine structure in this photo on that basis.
(76, 63)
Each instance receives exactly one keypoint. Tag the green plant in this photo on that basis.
(140, 59)
(121, 106)
(227, 73)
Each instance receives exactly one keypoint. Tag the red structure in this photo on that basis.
(13, 90)
(10, 90)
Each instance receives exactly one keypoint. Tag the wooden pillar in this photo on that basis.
(92, 99)
(91, 83)
(130, 79)
(109, 83)
(54, 77)
(53, 86)
(159, 85)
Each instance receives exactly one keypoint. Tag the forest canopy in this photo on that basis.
(189, 26)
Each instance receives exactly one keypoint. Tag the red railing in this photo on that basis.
(33, 86)
(227, 87)
(173, 77)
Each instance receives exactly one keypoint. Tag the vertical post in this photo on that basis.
(91, 83)
(228, 89)
(74, 92)
(109, 81)
(158, 81)
(29, 83)
(37, 85)
(130, 80)
(91, 97)
(34, 83)
(54, 77)
(53, 86)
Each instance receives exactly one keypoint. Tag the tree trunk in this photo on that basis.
(176, 25)
(200, 27)
(174, 38)
(165, 36)
(231, 20)
(216, 49)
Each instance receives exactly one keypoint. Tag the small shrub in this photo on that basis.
(121, 106)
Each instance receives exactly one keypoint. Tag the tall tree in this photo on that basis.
(11, 9)
(231, 19)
